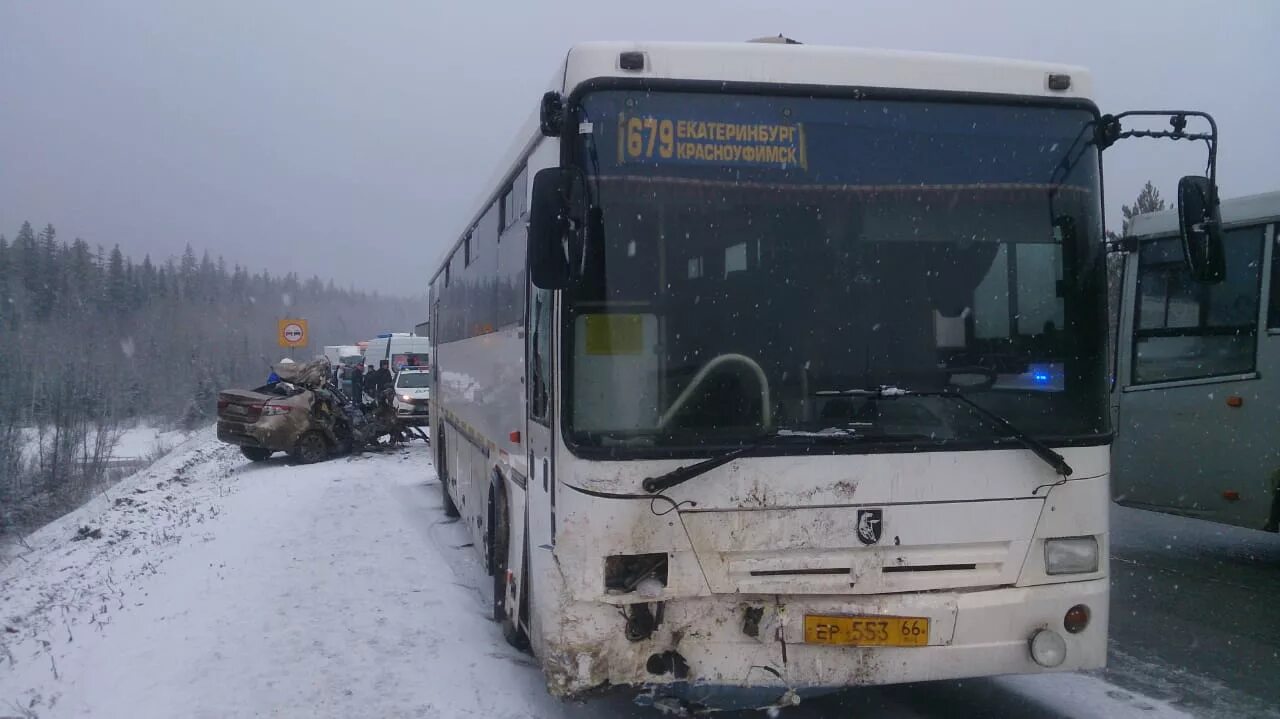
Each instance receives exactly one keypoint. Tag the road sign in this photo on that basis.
(292, 333)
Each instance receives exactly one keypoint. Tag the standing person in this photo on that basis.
(379, 380)
(357, 384)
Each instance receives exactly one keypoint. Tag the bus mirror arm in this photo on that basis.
(1199, 219)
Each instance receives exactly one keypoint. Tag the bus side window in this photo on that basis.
(540, 357)
(1188, 330)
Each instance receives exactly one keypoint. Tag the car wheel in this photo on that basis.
(256, 454)
(311, 448)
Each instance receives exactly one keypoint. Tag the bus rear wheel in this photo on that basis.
(499, 544)
(450, 509)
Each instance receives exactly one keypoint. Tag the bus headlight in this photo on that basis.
(1071, 555)
(1048, 648)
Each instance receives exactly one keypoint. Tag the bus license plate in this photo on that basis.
(866, 631)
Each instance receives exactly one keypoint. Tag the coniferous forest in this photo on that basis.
(92, 340)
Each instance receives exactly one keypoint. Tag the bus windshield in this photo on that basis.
(763, 256)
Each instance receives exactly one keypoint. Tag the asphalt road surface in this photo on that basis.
(1194, 615)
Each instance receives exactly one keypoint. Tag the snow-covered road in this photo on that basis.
(207, 586)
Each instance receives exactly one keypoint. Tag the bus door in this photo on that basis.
(1192, 405)
(539, 433)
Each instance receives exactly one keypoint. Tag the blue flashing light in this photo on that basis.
(384, 335)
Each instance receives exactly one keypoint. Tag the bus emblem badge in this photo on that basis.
(870, 524)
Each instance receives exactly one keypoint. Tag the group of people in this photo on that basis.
(374, 382)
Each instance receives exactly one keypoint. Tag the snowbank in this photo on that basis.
(218, 588)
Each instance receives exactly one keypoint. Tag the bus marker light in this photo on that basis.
(514, 437)
(1235, 400)
(1231, 495)
(631, 60)
(1076, 619)
(1048, 648)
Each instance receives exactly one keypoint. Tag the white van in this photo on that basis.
(342, 354)
(401, 349)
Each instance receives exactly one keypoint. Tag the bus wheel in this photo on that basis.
(450, 509)
(499, 543)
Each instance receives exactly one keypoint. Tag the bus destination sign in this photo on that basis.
(654, 139)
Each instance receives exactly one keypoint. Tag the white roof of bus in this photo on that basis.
(1236, 211)
(777, 63)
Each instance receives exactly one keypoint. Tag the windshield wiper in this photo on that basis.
(1040, 449)
(680, 475)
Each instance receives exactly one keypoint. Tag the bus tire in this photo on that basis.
(499, 544)
(450, 509)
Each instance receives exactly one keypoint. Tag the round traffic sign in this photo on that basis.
(293, 332)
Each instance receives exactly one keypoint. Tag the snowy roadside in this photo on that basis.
(147, 441)
(75, 574)
(212, 587)
(142, 441)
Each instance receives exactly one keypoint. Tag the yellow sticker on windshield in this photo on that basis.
(614, 334)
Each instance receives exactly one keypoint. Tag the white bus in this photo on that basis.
(764, 369)
(1193, 388)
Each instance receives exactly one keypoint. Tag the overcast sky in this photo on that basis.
(352, 139)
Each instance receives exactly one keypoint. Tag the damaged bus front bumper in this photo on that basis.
(757, 649)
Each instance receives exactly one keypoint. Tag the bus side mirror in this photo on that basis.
(549, 226)
(1200, 225)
